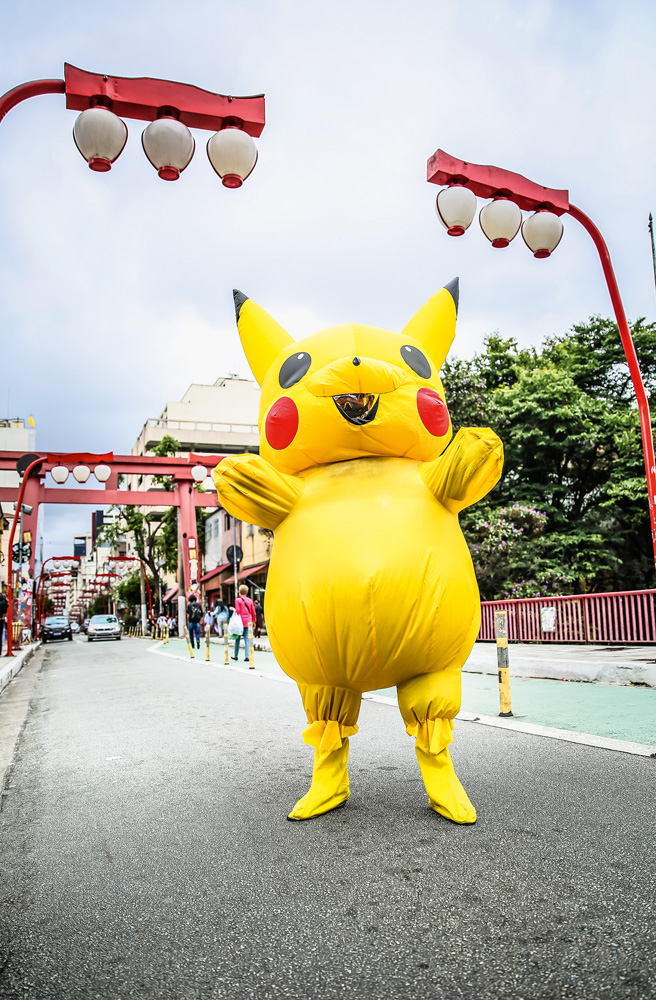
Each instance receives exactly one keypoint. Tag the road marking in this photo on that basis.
(567, 735)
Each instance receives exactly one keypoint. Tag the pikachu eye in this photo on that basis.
(416, 360)
(293, 369)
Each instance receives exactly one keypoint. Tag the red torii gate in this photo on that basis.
(182, 495)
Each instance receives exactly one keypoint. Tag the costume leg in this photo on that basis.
(428, 704)
(332, 714)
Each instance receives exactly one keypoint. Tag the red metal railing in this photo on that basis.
(596, 618)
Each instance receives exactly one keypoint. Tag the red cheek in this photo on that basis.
(281, 423)
(433, 412)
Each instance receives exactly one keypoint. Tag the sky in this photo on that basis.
(116, 289)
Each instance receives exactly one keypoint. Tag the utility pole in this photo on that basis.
(653, 249)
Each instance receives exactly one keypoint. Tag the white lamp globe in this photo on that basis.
(500, 221)
(233, 155)
(169, 145)
(100, 136)
(56, 564)
(59, 474)
(456, 207)
(208, 485)
(102, 473)
(542, 232)
(81, 473)
(199, 472)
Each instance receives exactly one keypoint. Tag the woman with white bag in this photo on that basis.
(244, 610)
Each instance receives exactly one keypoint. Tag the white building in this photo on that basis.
(216, 419)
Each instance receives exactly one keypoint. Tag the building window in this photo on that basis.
(226, 521)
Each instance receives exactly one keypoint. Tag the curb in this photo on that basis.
(15, 665)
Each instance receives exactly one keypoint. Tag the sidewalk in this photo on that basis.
(609, 711)
(10, 666)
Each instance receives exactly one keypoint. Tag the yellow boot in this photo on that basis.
(445, 793)
(330, 784)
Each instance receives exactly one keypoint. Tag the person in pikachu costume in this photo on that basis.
(370, 583)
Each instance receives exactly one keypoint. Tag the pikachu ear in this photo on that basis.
(262, 338)
(434, 325)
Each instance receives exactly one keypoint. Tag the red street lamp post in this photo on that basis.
(10, 589)
(456, 205)
(171, 108)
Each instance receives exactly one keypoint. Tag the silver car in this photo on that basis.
(103, 627)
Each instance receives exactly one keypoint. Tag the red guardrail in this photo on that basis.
(595, 618)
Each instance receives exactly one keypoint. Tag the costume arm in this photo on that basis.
(251, 489)
(467, 470)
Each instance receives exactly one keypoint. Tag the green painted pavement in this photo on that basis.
(623, 713)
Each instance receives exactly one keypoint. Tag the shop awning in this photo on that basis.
(214, 572)
(170, 594)
(249, 571)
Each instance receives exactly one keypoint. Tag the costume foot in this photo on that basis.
(305, 808)
(446, 795)
(330, 785)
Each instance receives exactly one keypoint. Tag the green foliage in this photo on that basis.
(147, 529)
(567, 418)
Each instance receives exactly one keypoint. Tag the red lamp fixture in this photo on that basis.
(173, 109)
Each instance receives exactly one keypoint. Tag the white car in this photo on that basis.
(75, 626)
(103, 627)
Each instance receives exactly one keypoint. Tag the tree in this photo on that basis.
(567, 417)
(146, 528)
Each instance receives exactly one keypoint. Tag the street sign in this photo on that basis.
(230, 554)
(26, 554)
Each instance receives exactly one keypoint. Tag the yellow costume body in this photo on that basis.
(371, 583)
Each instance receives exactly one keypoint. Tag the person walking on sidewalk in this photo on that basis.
(195, 617)
(246, 611)
(4, 606)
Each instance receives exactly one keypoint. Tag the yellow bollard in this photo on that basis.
(501, 632)
(251, 651)
(166, 633)
(226, 646)
(189, 646)
(207, 642)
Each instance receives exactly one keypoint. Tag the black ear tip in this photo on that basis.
(239, 298)
(453, 288)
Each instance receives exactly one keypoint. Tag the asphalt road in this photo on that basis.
(145, 852)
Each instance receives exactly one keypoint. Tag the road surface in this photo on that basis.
(145, 851)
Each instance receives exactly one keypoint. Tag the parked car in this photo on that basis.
(103, 627)
(75, 626)
(56, 627)
(85, 624)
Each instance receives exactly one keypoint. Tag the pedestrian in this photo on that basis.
(246, 611)
(194, 617)
(208, 619)
(4, 606)
(259, 617)
(221, 614)
(173, 625)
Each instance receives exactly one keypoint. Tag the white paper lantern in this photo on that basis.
(233, 154)
(59, 474)
(542, 233)
(169, 145)
(456, 207)
(199, 472)
(102, 473)
(81, 473)
(500, 221)
(100, 136)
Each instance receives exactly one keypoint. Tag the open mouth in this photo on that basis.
(357, 407)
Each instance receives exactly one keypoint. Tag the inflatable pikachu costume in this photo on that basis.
(370, 582)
